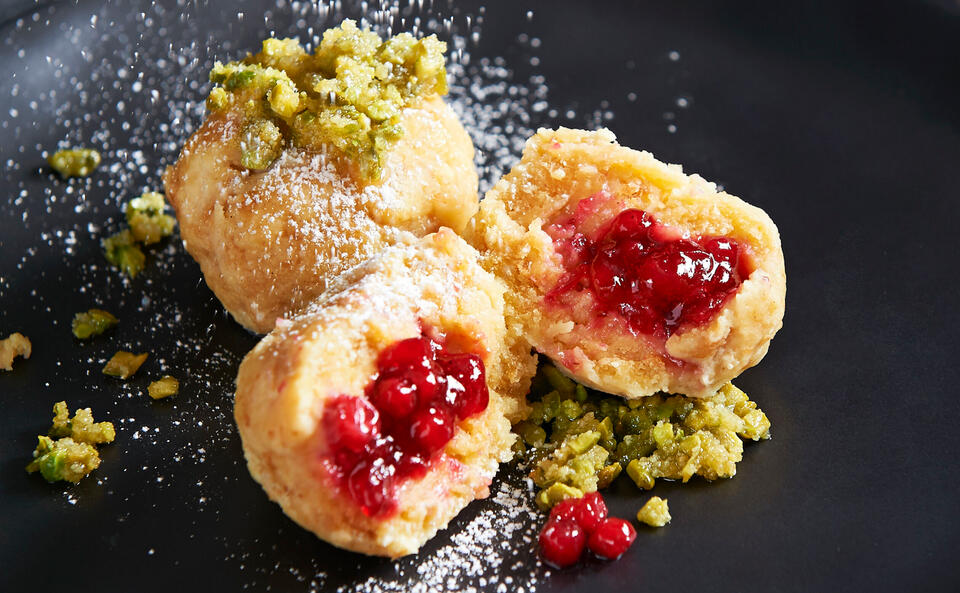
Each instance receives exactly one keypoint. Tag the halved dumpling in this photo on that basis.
(632, 276)
(375, 416)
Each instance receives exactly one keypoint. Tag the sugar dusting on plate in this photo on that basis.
(136, 94)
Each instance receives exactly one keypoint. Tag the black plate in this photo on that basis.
(840, 120)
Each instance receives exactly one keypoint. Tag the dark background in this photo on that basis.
(840, 119)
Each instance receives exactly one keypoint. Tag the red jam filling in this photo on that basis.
(580, 523)
(410, 412)
(648, 272)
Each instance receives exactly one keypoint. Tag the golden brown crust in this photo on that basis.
(561, 167)
(331, 349)
(268, 242)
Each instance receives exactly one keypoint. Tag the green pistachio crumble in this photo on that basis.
(147, 220)
(655, 513)
(348, 95)
(124, 364)
(260, 144)
(68, 451)
(75, 162)
(578, 441)
(148, 224)
(124, 253)
(163, 387)
(92, 323)
(81, 427)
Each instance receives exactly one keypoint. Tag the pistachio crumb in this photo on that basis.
(147, 220)
(148, 224)
(73, 454)
(92, 322)
(163, 387)
(74, 162)
(655, 513)
(123, 252)
(260, 144)
(124, 364)
(63, 459)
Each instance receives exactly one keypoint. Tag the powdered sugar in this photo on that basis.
(134, 89)
(493, 551)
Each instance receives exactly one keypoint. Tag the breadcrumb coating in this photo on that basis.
(14, 345)
(270, 241)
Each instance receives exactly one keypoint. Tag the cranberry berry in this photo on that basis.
(396, 396)
(562, 543)
(591, 511)
(587, 512)
(419, 394)
(411, 354)
(651, 275)
(466, 384)
(566, 510)
(371, 485)
(611, 538)
(412, 359)
(576, 521)
(431, 428)
(351, 422)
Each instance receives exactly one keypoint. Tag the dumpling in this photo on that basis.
(381, 411)
(632, 276)
(309, 164)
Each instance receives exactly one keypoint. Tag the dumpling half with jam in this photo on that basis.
(381, 411)
(632, 276)
(309, 163)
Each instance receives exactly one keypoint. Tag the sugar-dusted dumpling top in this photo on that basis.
(632, 276)
(308, 164)
(381, 411)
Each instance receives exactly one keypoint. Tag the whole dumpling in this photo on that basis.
(279, 191)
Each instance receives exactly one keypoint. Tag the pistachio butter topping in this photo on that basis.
(348, 95)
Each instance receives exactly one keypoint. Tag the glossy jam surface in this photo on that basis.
(579, 523)
(409, 414)
(648, 272)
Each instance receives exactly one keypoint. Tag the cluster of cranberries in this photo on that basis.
(409, 413)
(579, 523)
(653, 277)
